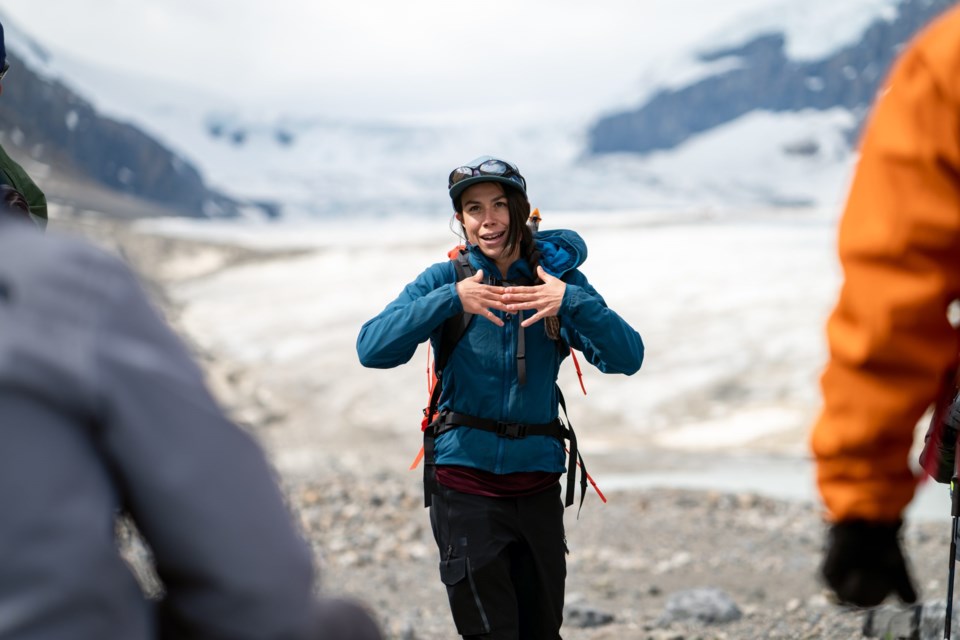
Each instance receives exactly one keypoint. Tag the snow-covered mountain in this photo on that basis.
(798, 58)
(737, 149)
(42, 118)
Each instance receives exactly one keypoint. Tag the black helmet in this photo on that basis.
(485, 169)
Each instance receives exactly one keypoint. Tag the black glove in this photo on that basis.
(863, 563)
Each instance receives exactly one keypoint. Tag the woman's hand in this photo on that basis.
(479, 298)
(545, 298)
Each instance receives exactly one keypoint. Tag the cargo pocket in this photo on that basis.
(465, 604)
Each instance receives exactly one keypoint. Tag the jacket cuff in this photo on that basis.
(570, 305)
(456, 303)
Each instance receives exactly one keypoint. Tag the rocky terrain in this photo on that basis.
(658, 564)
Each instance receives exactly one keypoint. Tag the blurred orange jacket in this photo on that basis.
(890, 342)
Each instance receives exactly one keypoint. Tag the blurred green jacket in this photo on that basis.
(14, 175)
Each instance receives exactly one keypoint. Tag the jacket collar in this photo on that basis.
(561, 251)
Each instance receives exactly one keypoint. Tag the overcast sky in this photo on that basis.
(377, 55)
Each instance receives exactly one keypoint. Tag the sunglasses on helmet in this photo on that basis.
(497, 168)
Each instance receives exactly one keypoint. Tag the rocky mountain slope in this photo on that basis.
(43, 120)
(759, 75)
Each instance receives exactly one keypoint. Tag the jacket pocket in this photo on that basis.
(465, 604)
(453, 571)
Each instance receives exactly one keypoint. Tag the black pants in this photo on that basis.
(503, 561)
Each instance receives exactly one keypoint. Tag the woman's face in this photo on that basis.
(485, 217)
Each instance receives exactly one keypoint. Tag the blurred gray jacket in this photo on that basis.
(102, 408)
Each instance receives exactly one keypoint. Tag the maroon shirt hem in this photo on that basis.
(495, 485)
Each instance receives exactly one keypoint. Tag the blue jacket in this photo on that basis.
(480, 378)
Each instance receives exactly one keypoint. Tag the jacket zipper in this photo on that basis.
(505, 390)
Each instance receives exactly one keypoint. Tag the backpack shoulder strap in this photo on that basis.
(463, 266)
(453, 328)
(456, 326)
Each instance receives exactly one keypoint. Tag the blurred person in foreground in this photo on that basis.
(103, 411)
(892, 347)
(11, 173)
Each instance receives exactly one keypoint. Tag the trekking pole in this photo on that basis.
(916, 622)
(953, 556)
(955, 513)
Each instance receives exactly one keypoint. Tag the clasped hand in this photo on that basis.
(481, 299)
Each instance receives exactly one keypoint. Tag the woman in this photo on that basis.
(494, 453)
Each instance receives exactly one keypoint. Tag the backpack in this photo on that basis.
(433, 424)
(938, 457)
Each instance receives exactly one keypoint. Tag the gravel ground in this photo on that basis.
(628, 558)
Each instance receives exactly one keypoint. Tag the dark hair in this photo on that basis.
(521, 234)
(528, 247)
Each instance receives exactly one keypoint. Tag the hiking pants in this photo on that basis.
(503, 562)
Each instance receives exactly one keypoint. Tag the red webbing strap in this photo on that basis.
(576, 363)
